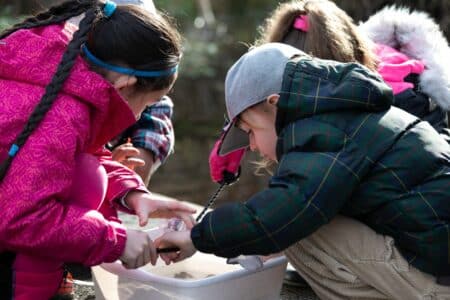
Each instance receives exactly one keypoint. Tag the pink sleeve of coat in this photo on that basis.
(120, 178)
(36, 218)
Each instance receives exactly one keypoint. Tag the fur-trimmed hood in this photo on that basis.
(415, 34)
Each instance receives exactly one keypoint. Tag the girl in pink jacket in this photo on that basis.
(63, 97)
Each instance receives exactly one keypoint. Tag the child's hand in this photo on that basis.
(127, 154)
(139, 250)
(180, 239)
(147, 205)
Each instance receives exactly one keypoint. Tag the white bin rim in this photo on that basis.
(148, 278)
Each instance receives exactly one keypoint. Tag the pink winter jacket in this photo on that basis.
(36, 218)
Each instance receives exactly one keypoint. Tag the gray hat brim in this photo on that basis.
(233, 139)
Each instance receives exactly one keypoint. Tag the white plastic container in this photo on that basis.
(200, 277)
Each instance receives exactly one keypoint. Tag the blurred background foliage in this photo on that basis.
(215, 34)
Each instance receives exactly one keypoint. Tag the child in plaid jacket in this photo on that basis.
(359, 200)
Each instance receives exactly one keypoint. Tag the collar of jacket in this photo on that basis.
(314, 86)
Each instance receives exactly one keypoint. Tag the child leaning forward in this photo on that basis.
(359, 201)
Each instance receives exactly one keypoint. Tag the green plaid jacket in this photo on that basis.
(343, 149)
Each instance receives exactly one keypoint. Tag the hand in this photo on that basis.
(147, 205)
(139, 250)
(127, 155)
(218, 164)
(180, 239)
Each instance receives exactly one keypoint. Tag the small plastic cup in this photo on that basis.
(166, 225)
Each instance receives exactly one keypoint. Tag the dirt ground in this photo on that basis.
(84, 292)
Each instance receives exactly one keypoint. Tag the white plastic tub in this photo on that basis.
(199, 277)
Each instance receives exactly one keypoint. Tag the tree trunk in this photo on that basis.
(207, 12)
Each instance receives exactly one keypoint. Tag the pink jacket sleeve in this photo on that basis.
(120, 178)
(36, 218)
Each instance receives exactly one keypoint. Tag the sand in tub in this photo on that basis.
(199, 266)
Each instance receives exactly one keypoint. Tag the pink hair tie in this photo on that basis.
(301, 23)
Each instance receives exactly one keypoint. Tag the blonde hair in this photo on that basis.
(332, 33)
(264, 166)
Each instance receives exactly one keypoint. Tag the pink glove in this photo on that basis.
(220, 165)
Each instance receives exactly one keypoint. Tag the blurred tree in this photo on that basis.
(26, 6)
(207, 12)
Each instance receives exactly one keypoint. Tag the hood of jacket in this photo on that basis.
(32, 57)
(314, 86)
(415, 34)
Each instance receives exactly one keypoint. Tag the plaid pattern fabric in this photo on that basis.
(416, 102)
(343, 150)
(153, 131)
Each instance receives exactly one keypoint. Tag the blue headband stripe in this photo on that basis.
(133, 72)
(109, 8)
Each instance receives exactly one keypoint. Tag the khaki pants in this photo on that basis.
(346, 259)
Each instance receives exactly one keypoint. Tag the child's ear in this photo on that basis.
(273, 99)
(123, 81)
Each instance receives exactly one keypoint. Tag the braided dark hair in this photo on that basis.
(54, 15)
(146, 31)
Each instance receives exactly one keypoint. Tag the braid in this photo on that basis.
(53, 15)
(52, 89)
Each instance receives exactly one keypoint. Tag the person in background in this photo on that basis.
(406, 48)
(146, 145)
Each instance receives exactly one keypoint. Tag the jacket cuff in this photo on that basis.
(200, 239)
(126, 186)
(120, 204)
(121, 236)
